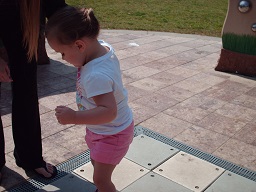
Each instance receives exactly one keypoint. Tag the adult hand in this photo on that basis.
(65, 115)
(4, 72)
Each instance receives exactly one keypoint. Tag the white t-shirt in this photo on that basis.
(99, 76)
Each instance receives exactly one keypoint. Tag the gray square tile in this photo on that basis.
(153, 182)
(125, 173)
(232, 182)
(69, 183)
(189, 171)
(145, 152)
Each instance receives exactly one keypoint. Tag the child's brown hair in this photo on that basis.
(70, 24)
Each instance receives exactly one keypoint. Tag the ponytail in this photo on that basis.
(30, 22)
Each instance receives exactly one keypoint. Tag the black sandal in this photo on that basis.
(45, 167)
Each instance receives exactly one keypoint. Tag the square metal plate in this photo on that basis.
(229, 181)
(189, 171)
(125, 173)
(69, 183)
(149, 152)
(153, 182)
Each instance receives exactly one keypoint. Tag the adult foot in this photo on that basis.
(47, 171)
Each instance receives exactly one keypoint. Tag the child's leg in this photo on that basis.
(102, 177)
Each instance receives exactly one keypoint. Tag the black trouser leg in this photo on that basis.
(25, 112)
(25, 116)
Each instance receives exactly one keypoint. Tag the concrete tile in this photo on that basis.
(237, 112)
(166, 42)
(221, 94)
(140, 152)
(210, 60)
(195, 43)
(43, 109)
(245, 101)
(193, 54)
(182, 71)
(238, 152)
(149, 84)
(134, 61)
(247, 82)
(166, 125)
(9, 144)
(198, 65)
(180, 40)
(135, 92)
(232, 182)
(44, 73)
(247, 134)
(125, 173)
(45, 90)
(210, 48)
(167, 78)
(71, 138)
(251, 92)
(6, 97)
(125, 54)
(140, 72)
(207, 78)
(165, 63)
(203, 102)
(127, 79)
(156, 102)
(141, 112)
(6, 86)
(12, 175)
(155, 55)
(189, 171)
(174, 49)
(55, 153)
(50, 125)
(193, 85)
(60, 82)
(6, 119)
(52, 101)
(189, 114)
(234, 86)
(175, 93)
(203, 139)
(69, 183)
(153, 182)
(149, 39)
(72, 75)
(220, 124)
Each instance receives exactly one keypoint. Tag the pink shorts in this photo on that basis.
(109, 149)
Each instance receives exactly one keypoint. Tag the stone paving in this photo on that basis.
(173, 90)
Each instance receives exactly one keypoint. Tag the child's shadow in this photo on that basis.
(10, 178)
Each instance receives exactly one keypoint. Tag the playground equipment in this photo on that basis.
(238, 54)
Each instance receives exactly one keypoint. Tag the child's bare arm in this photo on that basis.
(105, 112)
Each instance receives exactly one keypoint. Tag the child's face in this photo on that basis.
(69, 53)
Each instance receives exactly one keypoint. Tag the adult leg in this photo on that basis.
(25, 111)
(102, 177)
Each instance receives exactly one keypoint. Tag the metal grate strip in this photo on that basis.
(200, 154)
(83, 158)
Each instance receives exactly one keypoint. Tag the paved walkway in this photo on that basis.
(173, 90)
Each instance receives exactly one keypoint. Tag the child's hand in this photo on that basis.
(65, 115)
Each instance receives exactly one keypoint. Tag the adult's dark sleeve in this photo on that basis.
(51, 6)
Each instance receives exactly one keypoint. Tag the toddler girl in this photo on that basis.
(101, 97)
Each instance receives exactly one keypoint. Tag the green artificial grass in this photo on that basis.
(203, 17)
(239, 43)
